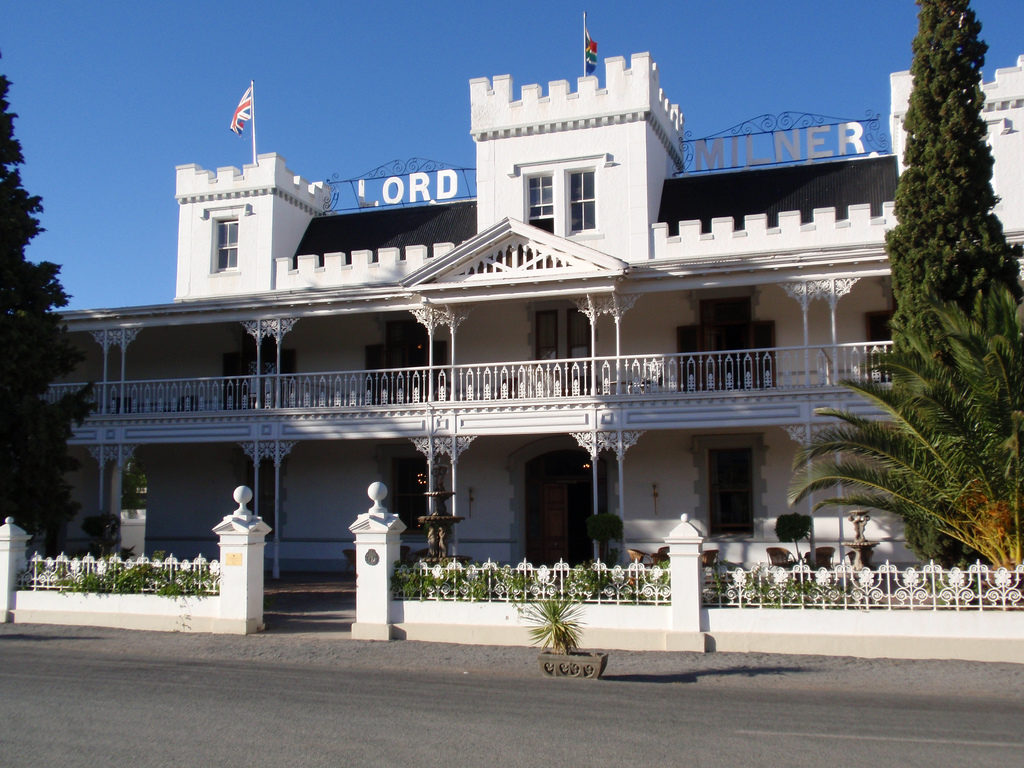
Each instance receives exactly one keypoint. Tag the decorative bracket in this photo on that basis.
(115, 337)
(275, 450)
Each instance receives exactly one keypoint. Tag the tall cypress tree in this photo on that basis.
(35, 351)
(948, 244)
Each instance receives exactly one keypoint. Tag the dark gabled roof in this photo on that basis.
(372, 229)
(803, 188)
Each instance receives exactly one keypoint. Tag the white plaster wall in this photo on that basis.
(323, 489)
(337, 342)
(189, 492)
(1004, 113)
(272, 206)
(182, 351)
(494, 519)
(556, 131)
(91, 367)
(495, 332)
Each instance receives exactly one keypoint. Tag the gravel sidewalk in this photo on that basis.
(308, 619)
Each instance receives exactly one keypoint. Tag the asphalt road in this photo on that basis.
(104, 697)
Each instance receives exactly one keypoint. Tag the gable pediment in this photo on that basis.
(512, 251)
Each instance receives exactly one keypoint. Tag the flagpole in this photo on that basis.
(584, 43)
(252, 90)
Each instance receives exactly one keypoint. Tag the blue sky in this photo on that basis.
(111, 96)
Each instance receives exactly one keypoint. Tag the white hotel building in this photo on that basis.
(592, 332)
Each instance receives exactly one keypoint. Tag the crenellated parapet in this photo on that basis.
(357, 268)
(824, 232)
(270, 176)
(631, 94)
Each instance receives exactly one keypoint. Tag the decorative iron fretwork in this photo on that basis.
(800, 291)
(453, 446)
(339, 201)
(274, 327)
(115, 337)
(615, 304)
(587, 441)
(830, 289)
(430, 316)
(274, 450)
(618, 442)
(117, 453)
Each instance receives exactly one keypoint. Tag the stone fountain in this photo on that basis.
(861, 547)
(440, 521)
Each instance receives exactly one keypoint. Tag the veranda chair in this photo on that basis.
(823, 557)
(709, 558)
(638, 556)
(780, 556)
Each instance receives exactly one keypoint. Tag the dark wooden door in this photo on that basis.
(549, 539)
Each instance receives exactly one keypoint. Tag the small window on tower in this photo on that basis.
(582, 201)
(541, 212)
(227, 245)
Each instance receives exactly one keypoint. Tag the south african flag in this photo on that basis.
(589, 53)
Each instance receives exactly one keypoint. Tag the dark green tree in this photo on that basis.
(948, 244)
(34, 429)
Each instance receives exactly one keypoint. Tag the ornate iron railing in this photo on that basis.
(702, 373)
(112, 575)
(490, 582)
(924, 588)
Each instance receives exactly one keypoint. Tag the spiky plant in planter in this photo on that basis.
(556, 623)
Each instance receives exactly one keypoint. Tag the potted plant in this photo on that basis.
(556, 624)
(603, 528)
(793, 527)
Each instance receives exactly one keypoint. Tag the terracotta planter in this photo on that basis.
(589, 666)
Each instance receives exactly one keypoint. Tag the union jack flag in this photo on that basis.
(243, 112)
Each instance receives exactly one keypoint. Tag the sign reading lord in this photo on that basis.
(775, 147)
(414, 188)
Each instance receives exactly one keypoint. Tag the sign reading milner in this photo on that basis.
(786, 138)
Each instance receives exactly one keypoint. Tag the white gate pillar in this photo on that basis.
(684, 545)
(378, 545)
(242, 536)
(13, 541)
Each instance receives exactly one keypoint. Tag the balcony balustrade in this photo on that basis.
(629, 376)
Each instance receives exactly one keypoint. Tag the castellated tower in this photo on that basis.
(588, 164)
(1004, 114)
(231, 224)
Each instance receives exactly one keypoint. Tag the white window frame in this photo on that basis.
(220, 247)
(584, 201)
(547, 209)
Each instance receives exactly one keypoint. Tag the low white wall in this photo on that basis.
(619, 627)
(969, 635)
(152, 612)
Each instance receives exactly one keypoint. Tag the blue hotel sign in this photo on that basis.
(784, 139)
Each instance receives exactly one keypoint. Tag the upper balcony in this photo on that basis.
(627, 379)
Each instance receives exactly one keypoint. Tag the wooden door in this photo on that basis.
(549, 538)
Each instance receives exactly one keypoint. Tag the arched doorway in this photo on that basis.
(559, 499)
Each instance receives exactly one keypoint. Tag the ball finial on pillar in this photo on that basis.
(377, 493)
(242, 496)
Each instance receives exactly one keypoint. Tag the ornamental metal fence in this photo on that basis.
(490, 582)
(113, 575)
(634, 376)
(924, 588)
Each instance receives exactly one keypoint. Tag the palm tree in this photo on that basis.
(949, 448)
